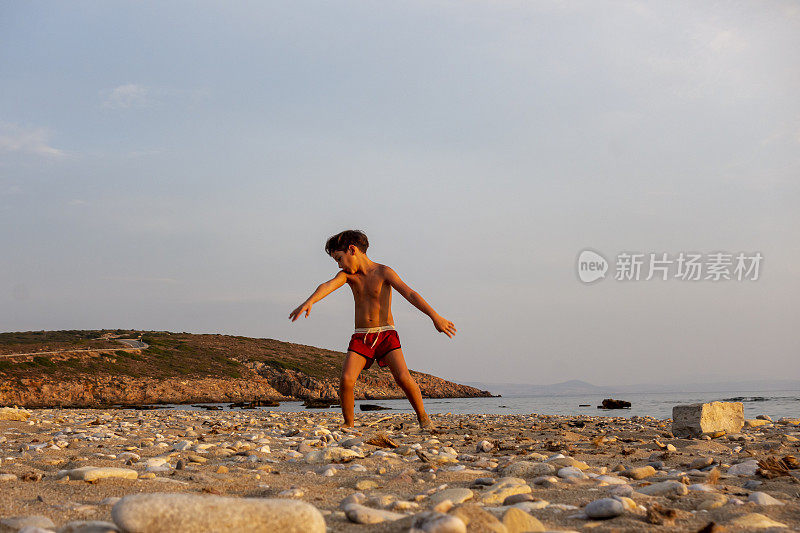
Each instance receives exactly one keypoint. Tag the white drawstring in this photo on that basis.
(377, 329)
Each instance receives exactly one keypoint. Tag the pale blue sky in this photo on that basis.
(179, 165)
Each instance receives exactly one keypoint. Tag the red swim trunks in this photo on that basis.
(374, 346)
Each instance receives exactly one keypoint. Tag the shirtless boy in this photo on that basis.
(375, 338)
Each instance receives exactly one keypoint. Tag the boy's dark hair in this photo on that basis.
(341, 241)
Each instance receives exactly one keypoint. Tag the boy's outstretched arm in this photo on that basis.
(439, 322)
(322, 291)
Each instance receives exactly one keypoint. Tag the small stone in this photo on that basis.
(18, 522)
(570, 472)
(334, 454)
(604, 508)
(714, 501)
(185, 513)
(360, 514)
(532, 506)
(93, 473)
(517, 498)
(356, 497)
(664, 488)
(504, 488)
(701, 462)
(484, 446)
(222, 469)
(88, 526)
(762, 498)
(435, 522)
(610, 480)
(455, 495)
(443, 506)
(528, 469)
(12, 413)
(180, 465)
(755, 521)
(746, 468)
(518, 521)
(7, 477)
(353, 441)
(402, 505)
(476, 519)
(568, 461)
(627, 503)
(366, 484)
(639, 473)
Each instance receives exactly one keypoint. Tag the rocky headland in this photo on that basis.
(98, 369)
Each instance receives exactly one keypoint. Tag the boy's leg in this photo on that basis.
(397, 364)
(352, 367)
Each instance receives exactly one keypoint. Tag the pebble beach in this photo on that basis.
(89, 470)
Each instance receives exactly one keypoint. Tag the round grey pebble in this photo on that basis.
(604, 508)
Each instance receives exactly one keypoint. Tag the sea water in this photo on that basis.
(776, 404)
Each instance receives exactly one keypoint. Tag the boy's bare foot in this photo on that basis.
(424, 422)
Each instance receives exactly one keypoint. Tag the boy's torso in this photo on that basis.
(373, 297)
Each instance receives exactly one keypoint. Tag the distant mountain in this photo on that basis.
(754, 385)
(572, 387)
(576, 387)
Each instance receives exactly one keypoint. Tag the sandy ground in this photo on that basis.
(261, 454)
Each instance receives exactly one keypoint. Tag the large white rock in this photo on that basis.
(695, 419)
(194, 513)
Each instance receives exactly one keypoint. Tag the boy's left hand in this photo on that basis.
(443, 325)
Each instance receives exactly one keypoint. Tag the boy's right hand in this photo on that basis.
(303, 307)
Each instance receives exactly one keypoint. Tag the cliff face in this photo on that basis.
(57, 370)
(371, 384)
(103, 391)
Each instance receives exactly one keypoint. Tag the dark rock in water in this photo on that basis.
(320, 403)
(609, 403)
(373, 407)
(209, 407)
(254, 404)
(584, 405)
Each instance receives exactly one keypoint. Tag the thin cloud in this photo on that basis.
(16, 138)
(127, 96)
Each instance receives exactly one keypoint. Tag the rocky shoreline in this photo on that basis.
(263, 383)
(88, 470)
